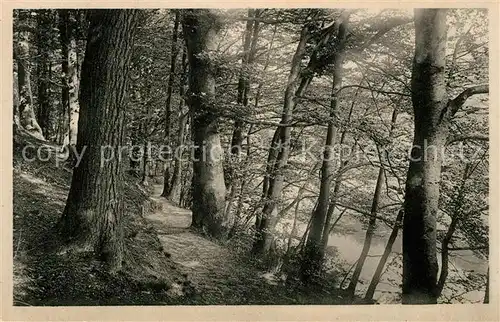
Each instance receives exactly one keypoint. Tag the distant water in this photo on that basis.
(349, 245)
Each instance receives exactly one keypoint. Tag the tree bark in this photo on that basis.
(168, 103)
(27, 116)
(200, 30)
(92, 218)
(420, 266)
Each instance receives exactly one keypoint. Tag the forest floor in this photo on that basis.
(166, 262)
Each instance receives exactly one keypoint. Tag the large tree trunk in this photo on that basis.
(313, 254)
(200, 30)
(433, 112)
(280, 146)
(168, 103)
(92, 218)
(27, 116)
(420, 266)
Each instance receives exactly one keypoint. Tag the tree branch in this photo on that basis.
(468, 137)
(373, 90)
(455, 104)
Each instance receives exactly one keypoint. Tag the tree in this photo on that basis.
(313, 256)
(69, 66)
(432, 112)
(175, 184)
(373, 212)
(27, 117)
(92, 218)
(168, 103)
(278, 154)
(200, 31)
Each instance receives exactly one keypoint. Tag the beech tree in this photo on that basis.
(92, 218)
(200, 31)
(433, 113)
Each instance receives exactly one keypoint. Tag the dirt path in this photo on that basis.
(212, 269)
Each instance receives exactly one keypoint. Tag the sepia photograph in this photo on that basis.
(254, 156)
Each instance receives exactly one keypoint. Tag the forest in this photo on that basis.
(250, 156)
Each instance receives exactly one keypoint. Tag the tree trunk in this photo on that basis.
(486, 299)
(173, 193)
(27, 116)
(168, 103)
(369, 235)
(374, 209)
(43, 110)
(251, 35)
(200, 30)
(175, 184)
(92, 218)
(64, 27)
(387, 251)
(429, 97)
(267, 222)
(313, 254)
(69, 66)
(455, 219)
(15, 97)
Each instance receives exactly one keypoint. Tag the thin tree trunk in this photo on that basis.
(69, 65)
(368, 237)
(175, 184)
(173, 193)
(43, 76)
(73, 87)
(371, 224)
(487, 291)
(264, 234)
(15, 97)
(200, 30)
(385, 256)
(455, 219)
(92, 218)
(168, 103)
(27, 116)
(64, 39)
(313, 254)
